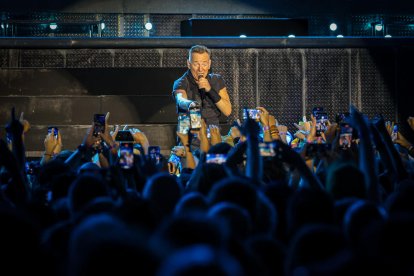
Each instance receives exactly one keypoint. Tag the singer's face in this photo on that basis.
(199, 64)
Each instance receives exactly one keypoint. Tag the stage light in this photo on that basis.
(148, 26)
(243, 36)
(378, 27)
(2, 25)
(339, 36)
(53, 26)
(387, 36)
(102, 26)
(333, 27)
(291, 36)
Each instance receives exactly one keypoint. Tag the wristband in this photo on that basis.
(213, 95)
(266, 128)
(273, 128)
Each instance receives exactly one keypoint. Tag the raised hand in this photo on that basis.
(263, 116)
(250, 127)
(25, 123)
(114, 132)
(89, 139)
(14, 127)
(401, 140)
(183, 138)
(106, 134)
(179, 151)
(330, 132)
(410, 122)
(50, 142)
(140, 138)
(59, 145)
(282, 130)
(215, 135)
(312, 131)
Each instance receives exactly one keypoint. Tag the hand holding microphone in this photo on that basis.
(206, 90)
(203, 84)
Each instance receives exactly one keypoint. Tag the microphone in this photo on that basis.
(202, 90)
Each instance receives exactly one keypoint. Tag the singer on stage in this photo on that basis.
(199, 88)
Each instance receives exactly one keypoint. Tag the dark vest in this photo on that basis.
(209, 111)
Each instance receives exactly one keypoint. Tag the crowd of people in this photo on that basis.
(260, 210)
(333, 199)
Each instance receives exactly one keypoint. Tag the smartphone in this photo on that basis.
(345, 136)
(267, 149)
(154, 154)
(55, 130)
(342, 117)
(253, 113)
(174, 165)
(183, 123)
(321, 118)
(394, 134)
(216, 158)
(195, 118)
(314, 150)
(98, 124)
(124, 136)
(126, 155)
(9, 138)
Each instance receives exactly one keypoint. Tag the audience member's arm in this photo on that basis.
(215, 135)
(367, 162)
(190, 162)
(254, 167)
(392, 151)
(264, 121)
(15, 129)
(293, 158)
(84, 152)
(202, 135)
(18, 185)
(140, 138)
(50, 143)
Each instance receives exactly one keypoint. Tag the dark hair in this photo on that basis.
(199, 49)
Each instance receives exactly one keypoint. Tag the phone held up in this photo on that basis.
(126, 155)
(124, 136)
(321, 119)
(345, 136)
(183, 123)
(195, 118)
(98, 124)
(252, 113)
(154, 154)
(268, 149)
(55, 130)
(216, 158)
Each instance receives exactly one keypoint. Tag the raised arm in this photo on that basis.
(182, 100)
